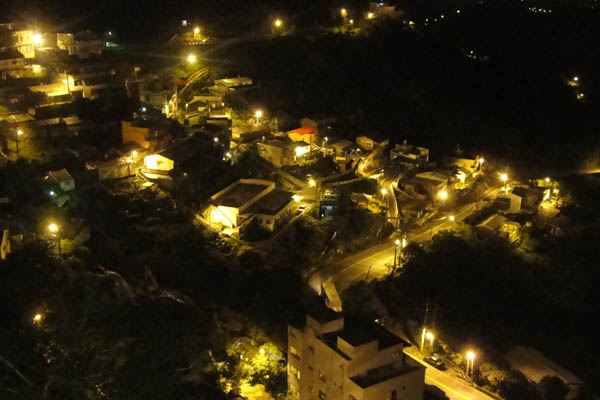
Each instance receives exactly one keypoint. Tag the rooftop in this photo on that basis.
(358, 333)
(383, 373)
(272, 203)
(305, 130)
(239, 194)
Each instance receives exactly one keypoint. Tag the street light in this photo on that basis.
(344, 13)
(196, 31)
(37, 318)
(351, 21)
(312, 182)
(54, 230)
(19, 133)
(470, 362)
(191, 59)
(38, 39)
(36, 68)
(451, 218)
(442, 195)
(430, 337)
(278, 23)
(384, 191)
(370, 15)
(397, 244)
(504, 178)
(258, 114)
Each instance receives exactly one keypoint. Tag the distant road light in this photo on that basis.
(38, 39)
(344, 12)
(191, 59)
(278, 23)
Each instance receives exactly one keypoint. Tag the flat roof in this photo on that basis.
(272, 203)
(239, 194)
(384, 373)
(358, 333)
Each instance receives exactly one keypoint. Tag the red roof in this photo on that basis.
(305, 130)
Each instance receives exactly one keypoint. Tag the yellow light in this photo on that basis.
(397, 242)
(53, 228)
(258, 113)
(481, 160)
(547, 180)
(580, 96)
(301, 150)
(191, 58)
(296, 198)
(370, 15)
(312, 182)
(37, 318)
(576, 78)
(344, 12)
(443, 195)
(37, 39)
(278, 23)
(403, 242)
(262, 351)
(430, 336)
(65, 81)
(37, 68)
(19, 132)
(134, 153)
(470, 355)
(384, 191)
(451, 218)
(351, 21)
(503, 177)
(196, 31)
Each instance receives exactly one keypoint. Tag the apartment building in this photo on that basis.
(333, 358)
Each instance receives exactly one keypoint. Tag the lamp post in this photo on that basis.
(423, 333)
(258, 114)
(504, 179)
(19, 133)
(344, 13)
(470, 363)
(55, 231)
(397, 243)
(430, 336)
(278, 23)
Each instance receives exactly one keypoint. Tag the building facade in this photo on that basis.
(331, 358)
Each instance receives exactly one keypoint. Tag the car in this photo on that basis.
(436, 362)
(302, 207)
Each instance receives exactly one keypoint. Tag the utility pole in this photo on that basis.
(368, 272)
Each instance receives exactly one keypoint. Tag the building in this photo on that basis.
(283, 152)
(234, 82)
(82, 44)
(158, 162)
(61, 178)
(344, 148)
(149, 135)
(409, 155)
(507, 203)
(334, 358)
(308, 134)
(158, 95)
(11, 59)
(369, 143)
(501, 226)
(24, 41)
(246, 200)
(384, 10)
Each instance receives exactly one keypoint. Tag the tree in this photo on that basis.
(553, 388)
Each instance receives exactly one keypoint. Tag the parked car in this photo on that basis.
(436, 362)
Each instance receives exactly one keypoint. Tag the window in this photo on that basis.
(322, 375)
(394, 395)
(321, 395)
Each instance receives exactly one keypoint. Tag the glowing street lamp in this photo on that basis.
(54, 230)
(504, 178)
(278, 23)
(344, 13)
(191, 59)
(196, 31)
(36, 69)
(37, 39)
(430, 336)
(258, 114)
(370, 15)
(312, 182)
(442, 195)
(451, 218)
(19, 133)
(351, 22)
(37, 318)
(470, 362)
(296, 198)
(384, 191)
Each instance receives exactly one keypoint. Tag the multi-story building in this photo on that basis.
(332, 358)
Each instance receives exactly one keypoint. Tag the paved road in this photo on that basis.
(372, 261)
(455, 389)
